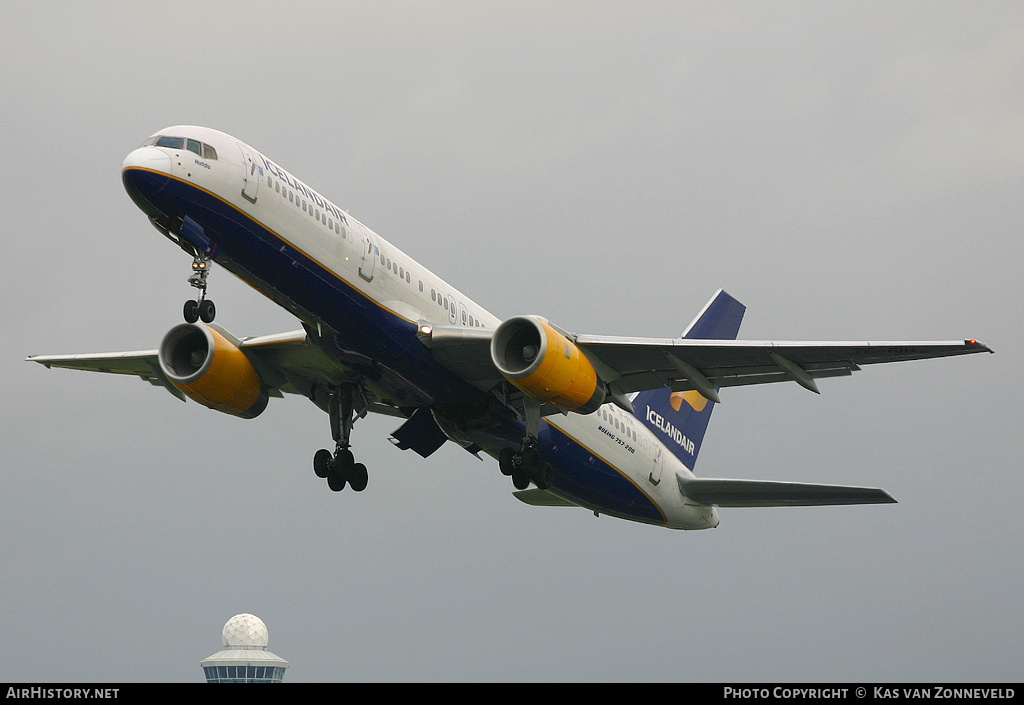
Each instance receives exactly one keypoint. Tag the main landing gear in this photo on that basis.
(525, 466)
(202, 308)
(340, 467)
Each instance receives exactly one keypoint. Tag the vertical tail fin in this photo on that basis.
(679, 419)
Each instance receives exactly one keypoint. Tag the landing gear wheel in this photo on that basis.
(520, 478)
(357, 477)
(191, 311)
(207, 311)
(343, 460)
(530, 460)
(543, 476)
(506, 461)
(322, 463)
(340, 469)
(336, 480)
(526, 466)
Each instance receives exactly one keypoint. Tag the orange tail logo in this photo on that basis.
(695, 399)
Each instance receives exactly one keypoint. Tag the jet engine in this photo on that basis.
(209, 368)
(546, 365)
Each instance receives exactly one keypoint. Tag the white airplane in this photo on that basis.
(611, 424)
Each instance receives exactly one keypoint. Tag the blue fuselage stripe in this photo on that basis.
(287, 275)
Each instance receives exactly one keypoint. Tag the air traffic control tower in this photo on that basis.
(244, 658)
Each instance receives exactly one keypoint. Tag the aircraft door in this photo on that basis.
(370, 252)
(659, 464)
(462, 319)
(251, 173)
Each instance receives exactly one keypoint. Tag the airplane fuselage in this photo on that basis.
(363, 301)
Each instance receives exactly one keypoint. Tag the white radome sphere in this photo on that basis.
(245, 630)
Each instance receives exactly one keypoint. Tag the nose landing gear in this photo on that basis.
(202, 308)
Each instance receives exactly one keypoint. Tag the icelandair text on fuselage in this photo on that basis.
(62, 693)
(876, 692)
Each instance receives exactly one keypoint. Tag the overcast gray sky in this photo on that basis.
(847, 170)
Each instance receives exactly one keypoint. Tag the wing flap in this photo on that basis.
(763, 493)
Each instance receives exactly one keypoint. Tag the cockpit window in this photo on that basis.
(201, 148)
(171, 142)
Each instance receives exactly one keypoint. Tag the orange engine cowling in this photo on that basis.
(210, 369)
(545, 364)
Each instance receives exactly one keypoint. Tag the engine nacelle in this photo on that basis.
(211, 369)
(545, 364)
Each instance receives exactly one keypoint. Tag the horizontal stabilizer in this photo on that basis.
(542, 498)
(761, 493)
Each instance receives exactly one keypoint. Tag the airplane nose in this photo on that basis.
(150, 158)
(144, 173)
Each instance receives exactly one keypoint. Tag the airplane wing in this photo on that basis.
(637, 364)
(641, 364)
(288, 363)
(143, 364)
